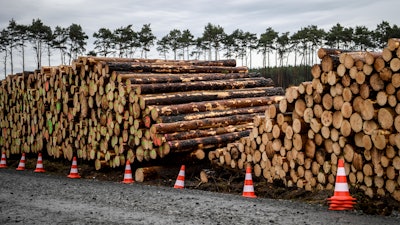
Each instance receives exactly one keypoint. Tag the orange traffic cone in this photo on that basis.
(341, 199)
(248, 188)
(128, 173)
(180, 180)
(74, 169)
(3, 162)
(39, 165)
(21, 165)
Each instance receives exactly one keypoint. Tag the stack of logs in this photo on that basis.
(112, 109)
(349, 110)
(22, 117)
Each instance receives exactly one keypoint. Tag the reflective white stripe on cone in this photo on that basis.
(3, 162)
(39, 165)
(341, 199)
(248, 188)
(21, 165)
(180, 180)
(74, 169)
(128, 173)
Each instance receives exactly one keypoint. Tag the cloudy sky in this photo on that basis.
(249, 15)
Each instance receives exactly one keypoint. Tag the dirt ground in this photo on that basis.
(46, 199)
(220, 180)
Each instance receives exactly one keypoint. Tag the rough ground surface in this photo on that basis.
(100, 198)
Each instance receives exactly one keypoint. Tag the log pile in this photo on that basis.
(349, 110)
(108, 110)
(22, 113)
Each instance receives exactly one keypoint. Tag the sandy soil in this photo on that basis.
(100, 198)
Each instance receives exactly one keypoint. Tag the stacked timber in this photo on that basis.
(108, 110)
(21, 114)
(350, 110)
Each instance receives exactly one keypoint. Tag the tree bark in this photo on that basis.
(204, 85)
(211, 114)
(184, 145)
(201, 124)
(215, 105)
(150, 78)
(190, 134)
(169, 68)
(198, 96)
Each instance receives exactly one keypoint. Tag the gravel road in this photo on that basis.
(30, 198)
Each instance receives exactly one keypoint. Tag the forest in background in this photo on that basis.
(285, 76)
(286, 57)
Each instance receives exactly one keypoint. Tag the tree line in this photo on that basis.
(213, 44)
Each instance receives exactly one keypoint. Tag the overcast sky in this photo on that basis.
(249, 15)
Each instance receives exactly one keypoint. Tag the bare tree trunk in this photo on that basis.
(70, 56)
(23, 58)
(264, 60)
(250, 59)
(37, 55)
(5, 64)
(48, 54)
(61, 56)
(11, 61)
(209, 52)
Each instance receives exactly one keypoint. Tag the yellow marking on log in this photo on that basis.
(208, 106)
(189, 79)
(222, 94)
